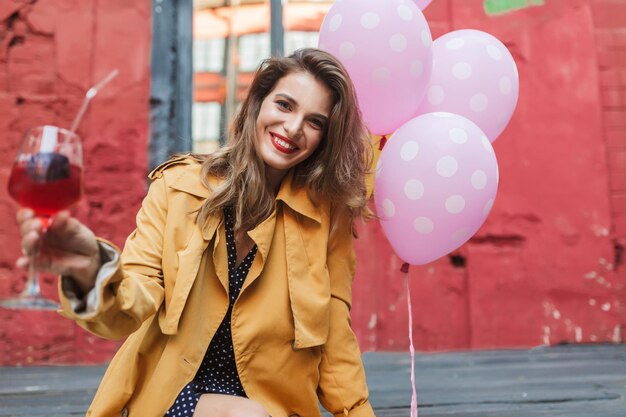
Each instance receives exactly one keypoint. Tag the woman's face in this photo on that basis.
(291, 122)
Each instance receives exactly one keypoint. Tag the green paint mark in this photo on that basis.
(495, 7)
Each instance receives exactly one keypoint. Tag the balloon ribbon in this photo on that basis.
(383, 141)
(405, 269)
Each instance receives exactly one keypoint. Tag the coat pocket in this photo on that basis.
(189, 260)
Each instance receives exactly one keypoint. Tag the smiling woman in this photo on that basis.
(235, 287)
(306, 101)
(291, 122)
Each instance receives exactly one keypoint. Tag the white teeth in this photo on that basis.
(284, 144)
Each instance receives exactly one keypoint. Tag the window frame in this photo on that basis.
(171, 87)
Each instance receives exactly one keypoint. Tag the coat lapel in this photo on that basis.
(189, 261)
(309, 284)
(262, 235)
(191, 257)
(305, 247)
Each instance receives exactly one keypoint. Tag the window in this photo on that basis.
(208, 55)
(253, 48)
(297, 40)
(205, 121)
(230, 39)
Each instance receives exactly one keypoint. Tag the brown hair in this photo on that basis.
(335, 171)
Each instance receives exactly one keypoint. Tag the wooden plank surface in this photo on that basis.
(573, 381)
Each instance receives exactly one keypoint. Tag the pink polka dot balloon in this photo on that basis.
(386, 46)
(422, 4)
(474, 75)
(436, 182)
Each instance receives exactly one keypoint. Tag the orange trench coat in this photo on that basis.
(291, 330)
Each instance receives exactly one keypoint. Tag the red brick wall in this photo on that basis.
(610, 30)
(51, 52)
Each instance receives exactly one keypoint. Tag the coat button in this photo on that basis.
(124, 412)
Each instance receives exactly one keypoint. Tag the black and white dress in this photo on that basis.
(218, 372)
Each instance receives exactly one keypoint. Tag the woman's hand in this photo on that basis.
(68, 247)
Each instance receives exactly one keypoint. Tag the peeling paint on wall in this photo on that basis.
(497, 7)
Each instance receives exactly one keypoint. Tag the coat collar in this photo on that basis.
(296, 198)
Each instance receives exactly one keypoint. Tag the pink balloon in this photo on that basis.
(386, 46)
(436, 182)
(474, 75)
(422, 4)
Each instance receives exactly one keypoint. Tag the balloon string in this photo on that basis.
(411, 347)
(383, 141)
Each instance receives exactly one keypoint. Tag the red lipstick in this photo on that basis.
(290, 148)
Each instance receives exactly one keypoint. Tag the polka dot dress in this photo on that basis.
(218, 372)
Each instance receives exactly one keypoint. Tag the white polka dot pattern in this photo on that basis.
(381, 75)
(370, 20)
(458, 136)
(479, 179)
(447, 166)
(426, 38)
(473, 75)
(398, 42)
(346, 50)
(436, 182)
(335, 22)
(455, 43)
(409, 150)
(462, 70)
(423, 225)
(494, 52)
(414, 189)
(405, 12)
(400, 37)
(218, 371)
(389, 208)
(436, 95)
(455, 204)
(479, 103)
(505, 85)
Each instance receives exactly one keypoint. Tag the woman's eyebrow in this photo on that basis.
(295, 104)
(287, 97)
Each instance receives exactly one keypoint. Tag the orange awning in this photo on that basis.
(255, 18)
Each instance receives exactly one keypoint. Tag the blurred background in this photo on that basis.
(546, 268)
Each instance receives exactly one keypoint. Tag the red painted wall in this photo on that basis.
(545, 268)
(51, 52)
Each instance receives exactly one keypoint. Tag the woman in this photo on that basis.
(235, 287)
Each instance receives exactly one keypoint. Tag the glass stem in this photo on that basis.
(32, 290)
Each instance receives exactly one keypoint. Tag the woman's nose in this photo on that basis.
(293, 126)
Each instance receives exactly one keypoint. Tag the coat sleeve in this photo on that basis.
(342, 389)
(130, 290)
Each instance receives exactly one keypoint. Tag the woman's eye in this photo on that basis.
(283, 104)
(317, 124)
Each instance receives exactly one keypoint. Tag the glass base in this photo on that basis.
(29, 303)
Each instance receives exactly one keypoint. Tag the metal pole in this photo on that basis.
(182, 140)
(231, 66)
(277, 31)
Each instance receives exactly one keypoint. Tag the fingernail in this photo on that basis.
(21, 262)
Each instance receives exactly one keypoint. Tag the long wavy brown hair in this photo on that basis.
(335, 171)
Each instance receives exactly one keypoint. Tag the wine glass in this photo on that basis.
(47, 177)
